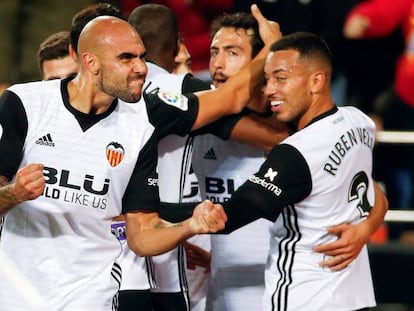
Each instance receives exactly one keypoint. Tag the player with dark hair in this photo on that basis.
(183, 58)
(74, 154)
(158, 28)
(237, 274)
(87, 14)
(54, 59)
(319, 176)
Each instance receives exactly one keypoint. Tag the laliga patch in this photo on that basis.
(114, 153)
(174, 99)
(119, 230)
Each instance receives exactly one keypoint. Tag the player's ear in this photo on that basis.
(317, 81)
(90, 62)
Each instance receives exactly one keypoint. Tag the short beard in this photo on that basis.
(111, 87)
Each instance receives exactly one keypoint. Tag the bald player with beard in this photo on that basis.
(59, 197)
(88, 156)
(158, 28)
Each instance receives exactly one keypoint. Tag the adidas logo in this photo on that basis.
(46, 141)
(210, 155)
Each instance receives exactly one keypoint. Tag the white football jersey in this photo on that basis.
(62, 241)
(174, 155)
(318, 177)
(338, 151)
(238, 260)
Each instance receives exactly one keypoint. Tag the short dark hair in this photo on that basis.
(239, 20)
(86, 15)
(309, 45)
(157, 26)
(53, 47)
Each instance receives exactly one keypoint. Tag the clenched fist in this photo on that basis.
(208, 218)
(29, 183)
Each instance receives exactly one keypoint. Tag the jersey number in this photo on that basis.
(358, 191)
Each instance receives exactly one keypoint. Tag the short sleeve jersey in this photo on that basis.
(95, 165)
(237, 273)
(173, 116)
(317, 177)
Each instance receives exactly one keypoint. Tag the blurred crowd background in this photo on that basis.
(364, 69)
(373, 70)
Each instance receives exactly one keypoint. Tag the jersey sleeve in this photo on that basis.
(283, 179)
(171, 112)
(177, 212)
(192, 84)
(13, 131)
(142, 190)
(223, 127)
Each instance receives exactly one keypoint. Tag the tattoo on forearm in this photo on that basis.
(7, 196)
(162, 224)
(3, 181)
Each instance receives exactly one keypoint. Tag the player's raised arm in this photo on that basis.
(243, 88)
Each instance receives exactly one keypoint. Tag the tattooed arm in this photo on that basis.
(149, 235)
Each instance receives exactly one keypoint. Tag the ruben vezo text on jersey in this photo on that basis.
(346, 142)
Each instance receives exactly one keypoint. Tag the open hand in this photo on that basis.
(351, 239)
(197, 257)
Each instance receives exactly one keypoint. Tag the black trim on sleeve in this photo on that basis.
(283, 179)
(169, 119)
(192, 84)
(177, 212)
(13, 120)
(142, 190)
(223, 127)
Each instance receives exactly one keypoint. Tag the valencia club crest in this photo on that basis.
(114, 153)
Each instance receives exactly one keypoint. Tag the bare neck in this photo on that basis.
(86, 98)
(320, 105)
